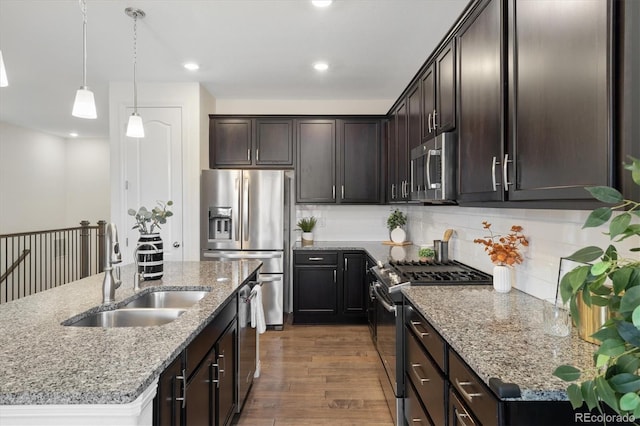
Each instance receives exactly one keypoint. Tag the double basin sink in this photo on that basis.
(146, 310)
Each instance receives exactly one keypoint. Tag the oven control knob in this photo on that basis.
(394, 277)
(380, 264)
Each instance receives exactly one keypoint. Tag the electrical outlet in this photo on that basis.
(321, 222)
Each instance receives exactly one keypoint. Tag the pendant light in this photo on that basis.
(84, 105)
(3, 73)
(135, 128)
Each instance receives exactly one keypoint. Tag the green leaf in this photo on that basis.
(598, 217)
(611, 347)
(131, 212)
(589, 394)
(635, 317)
(604, 391)
(621, 279)
(630, 301)
(577, 277)
(602, 360)
(605, 194)
(629, 401)
(628, 332)
(619, 225)
(600, 268)
(606, 333)
(575, 395)
(567, 373)
(625, 382)
(587, 254)
(599, 301)
(628, 364)
(575, 314)
(635, 169)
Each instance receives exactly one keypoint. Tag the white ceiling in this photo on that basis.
(247, 49)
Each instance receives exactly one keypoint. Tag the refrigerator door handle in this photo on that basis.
(246, 208)
(269, 279)
(236, 216)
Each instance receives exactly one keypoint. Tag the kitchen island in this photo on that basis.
(48, 368)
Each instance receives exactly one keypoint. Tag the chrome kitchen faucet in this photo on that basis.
(139, 276)
(112, 257)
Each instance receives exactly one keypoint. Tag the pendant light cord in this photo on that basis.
(135, 60)
(83, 7)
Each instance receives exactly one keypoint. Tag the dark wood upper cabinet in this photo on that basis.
(360, 161)
(248, 142)
(399, 187)
(274, 142)
(428, 88)
(316, 161)
(480, 105)
(230, 141)
(560, 121)
(444, 118)
(414, 117)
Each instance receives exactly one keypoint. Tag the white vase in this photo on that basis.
(398, 235)
(502, 278)
(307, 237)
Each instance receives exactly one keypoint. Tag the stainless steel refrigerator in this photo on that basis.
(245, 214)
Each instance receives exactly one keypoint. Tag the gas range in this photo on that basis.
(397, 274)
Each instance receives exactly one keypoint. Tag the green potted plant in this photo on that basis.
(426, 254)
(395, 222)
(149, 250)
(306, 225)
(614, 380)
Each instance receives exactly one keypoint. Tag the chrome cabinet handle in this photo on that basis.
(342, 191)
(415, 329)
(468, 396)
(335, 276)
(346, 264)
(393, 191)
(462, 416)
(422, 380)
(217, 375)
(434, 120)
(429, 122)
(505, 177)
(333, 191)
(494, 163)
(224, 365)
(249, 154)
(257, 154)
(316, 259)
(184, 388)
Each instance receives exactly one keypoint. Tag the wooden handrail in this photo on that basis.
(15, 264)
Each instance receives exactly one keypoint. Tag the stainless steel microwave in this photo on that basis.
(433, 174)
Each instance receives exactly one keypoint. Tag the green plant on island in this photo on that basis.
(306, 224)
(396, 219)
(614, 379)
(147, 221)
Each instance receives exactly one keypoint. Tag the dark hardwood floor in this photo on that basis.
(316, 375)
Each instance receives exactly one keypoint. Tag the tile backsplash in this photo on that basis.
(552, 234)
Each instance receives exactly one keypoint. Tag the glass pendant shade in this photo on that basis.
(135, 128)
(84, 105)
(4, 82)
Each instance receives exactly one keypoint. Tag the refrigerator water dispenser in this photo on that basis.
(220, 223)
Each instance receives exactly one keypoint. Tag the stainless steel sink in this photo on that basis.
(129, 318)
(167, 299)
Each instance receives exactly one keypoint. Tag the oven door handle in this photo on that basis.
(388, 306)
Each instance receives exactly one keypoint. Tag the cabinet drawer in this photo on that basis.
(426, 378)
(428, 337)
(475, 394)
(316, 258)
(459, 415)
(413, 411)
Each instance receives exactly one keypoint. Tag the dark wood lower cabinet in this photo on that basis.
(199, 389)
(329, 287)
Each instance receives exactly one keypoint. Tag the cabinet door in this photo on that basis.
(402, 153)
(354, 283)
(392, 160)
(225, 380)
(359, 161)
(200, 397)
(230, 142)
(315, 291)
(274, 142)
(167, 410)
(560, 91)
(480, 102)
(428, 88)
(445, 119)
(316, 166)
(414, 120)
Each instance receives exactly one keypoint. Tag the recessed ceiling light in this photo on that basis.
(321, 3)
(321, 66)
(73, 134)
(192, 66)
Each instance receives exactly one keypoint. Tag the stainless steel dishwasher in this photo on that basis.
(247, 344)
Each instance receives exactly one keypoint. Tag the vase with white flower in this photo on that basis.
(504, 252)
(149, 250)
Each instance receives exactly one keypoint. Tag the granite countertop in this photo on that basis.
(44, 362)
(500, 335)
(377, 250)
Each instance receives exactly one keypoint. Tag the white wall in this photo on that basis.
(44, 179)
(552, 234)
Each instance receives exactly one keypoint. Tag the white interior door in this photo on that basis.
(153, 172)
